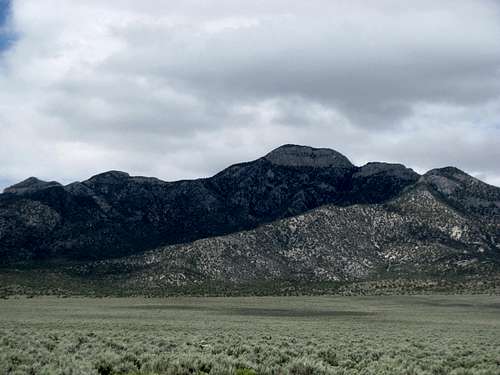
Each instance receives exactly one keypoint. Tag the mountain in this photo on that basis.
(297, 215)
(465, 192)
(414, 234)
(114, 214)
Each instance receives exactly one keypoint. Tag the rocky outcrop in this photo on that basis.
(303, 156)
(375, 180)
(30, 185)
(413, 235)
(113, 214)
(465, 192)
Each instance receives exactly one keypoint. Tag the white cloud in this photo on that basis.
(182, 89)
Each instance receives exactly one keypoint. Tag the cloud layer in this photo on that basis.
(182, 90)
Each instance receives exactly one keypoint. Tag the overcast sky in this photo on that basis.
(182, 89)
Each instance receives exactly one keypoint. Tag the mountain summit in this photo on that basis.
(305, 156)
(296, 212)
(29, 185)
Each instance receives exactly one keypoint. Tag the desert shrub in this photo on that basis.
(80, 339)
(245, 371)
(305, 366)
(104, 368)
(107, 364)
(223, 368)
(329, 356)
(189, 364)
(155, 364)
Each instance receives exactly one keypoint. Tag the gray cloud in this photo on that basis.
(182, 90)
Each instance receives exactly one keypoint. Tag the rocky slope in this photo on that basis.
(114, 214)
(464, 192)
(415, 234)
(297, 215)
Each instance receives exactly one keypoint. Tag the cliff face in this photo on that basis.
(465, 192)
(114, 214)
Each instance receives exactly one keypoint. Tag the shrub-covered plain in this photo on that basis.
(251, 335)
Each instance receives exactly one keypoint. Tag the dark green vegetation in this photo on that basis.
(297, 221)
(412, 244)
(414, 335)
(114, 214)
(64, 283)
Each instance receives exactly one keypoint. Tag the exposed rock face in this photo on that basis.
(465, 192)
(302, 156)
(414, 234)
(381, 180)
(113, 214)
(30, 185)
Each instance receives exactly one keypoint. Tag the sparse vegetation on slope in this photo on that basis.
(113, 214)
(415, 236)
(334, 225)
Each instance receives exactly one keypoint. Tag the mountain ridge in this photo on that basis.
(300, 237)
(114, 214)
(306, 215)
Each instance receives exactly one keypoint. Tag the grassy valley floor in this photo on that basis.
(251, 335)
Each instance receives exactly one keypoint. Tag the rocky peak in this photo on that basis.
(396, 170)
(30, 185)
(304, 156)
(450, 172)
(465, 192)
(446, 180)
(113, 214)
(110, 177)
